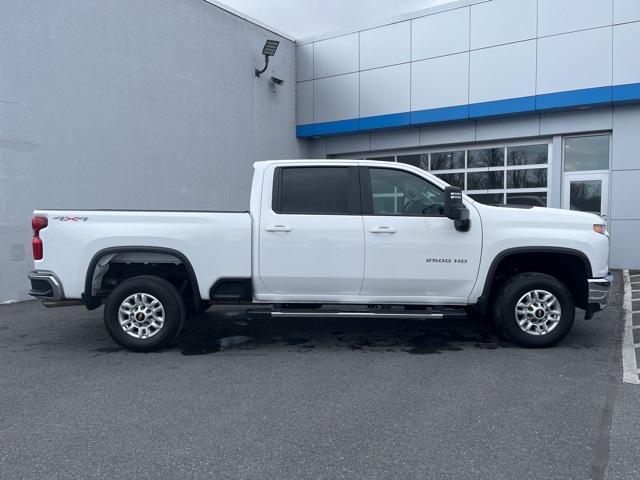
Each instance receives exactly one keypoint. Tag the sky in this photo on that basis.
(304, 18)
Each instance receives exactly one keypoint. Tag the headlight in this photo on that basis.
(601, 229)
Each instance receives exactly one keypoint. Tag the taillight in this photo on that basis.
(38, 223)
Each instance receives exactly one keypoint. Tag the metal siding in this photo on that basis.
(561, 16)
(461, 132)
(440, 82)
(502, 21)
(573, 121)
(304, 103)
(507, 71)
(626, 11)
(574, 61)
(394, 82)
(388, 45)
(625, 138)
(304, 62)
(440, 34)
(504, 128)
(348, 144)
(624, 244)
(626, 60)
(336, 98)
(625, 195)
(409, 137)
(336, 56)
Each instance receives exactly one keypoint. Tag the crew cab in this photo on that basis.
(328, 238)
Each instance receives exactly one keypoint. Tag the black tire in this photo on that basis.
(165, 293)
(514, 289)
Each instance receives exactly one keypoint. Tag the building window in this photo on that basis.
(512, 174)
(586, 153)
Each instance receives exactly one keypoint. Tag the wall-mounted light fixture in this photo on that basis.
(269, 50)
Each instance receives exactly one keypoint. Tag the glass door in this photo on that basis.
(586, 192)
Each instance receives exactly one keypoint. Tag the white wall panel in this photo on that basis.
(626, 11)
(574, 61)
(507, 71)
(385, 90)
(560, 16)
(502, 128)
(304, 62)
(304, 102)
(386, 45)
(624, 244)
(624, 147)
(626, 57)
(625, 195)
(440, 34)
(575, 121)
(502, 21)
(336, 98)
(335, 56)
(440, 82)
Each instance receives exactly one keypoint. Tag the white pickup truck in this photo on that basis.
(328, 238)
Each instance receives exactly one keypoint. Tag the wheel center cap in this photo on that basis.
(140, 316)
(539, 313)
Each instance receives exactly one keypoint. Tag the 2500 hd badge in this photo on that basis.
(446, 260)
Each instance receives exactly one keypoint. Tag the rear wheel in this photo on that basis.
(534, 310)
(144, 313)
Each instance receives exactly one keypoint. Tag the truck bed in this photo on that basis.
(216, 244)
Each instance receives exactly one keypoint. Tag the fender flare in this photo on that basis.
(484, 298)
(90, 301)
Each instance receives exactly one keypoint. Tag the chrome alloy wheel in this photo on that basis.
(141, 315)
(538, 312)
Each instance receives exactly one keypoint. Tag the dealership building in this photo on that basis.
(533, 102)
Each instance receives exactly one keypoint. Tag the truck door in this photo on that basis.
(412, 251)
(311, 233)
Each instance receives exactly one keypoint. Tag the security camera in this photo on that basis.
(277, 81)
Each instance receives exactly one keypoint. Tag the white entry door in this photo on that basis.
(586, 192)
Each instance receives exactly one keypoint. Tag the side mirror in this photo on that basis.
(455, 209)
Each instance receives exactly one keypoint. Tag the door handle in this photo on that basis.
(278, 228)
(382, 229)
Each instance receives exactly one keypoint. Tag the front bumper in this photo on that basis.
(45, 285)
(599, 292)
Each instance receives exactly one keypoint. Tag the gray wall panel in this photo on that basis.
(626, 66)
(560, 16)
(591, 120)
(385, 90)
(507, 71)
(440, 34)
(349, 144)
(626, 120)
(304, 102)
(626, 11)
(440, 82)
(405, 138)
(625, 195)
(386, 45)
(502, 21)
(459, 132)
(504, 128)
(336, 56)
(98, 97)
(336, 98)
(304, 62)
(624, 244)
(575, 60)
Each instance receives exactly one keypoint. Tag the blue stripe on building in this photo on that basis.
(586, 97)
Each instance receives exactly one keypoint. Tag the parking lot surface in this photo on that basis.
(325, 399)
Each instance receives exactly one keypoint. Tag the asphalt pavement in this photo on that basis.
(313, 399)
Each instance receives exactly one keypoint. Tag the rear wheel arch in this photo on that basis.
(89, 296)
(548, 260)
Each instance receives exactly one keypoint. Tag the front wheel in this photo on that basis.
(534, 310)
(144, 313)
